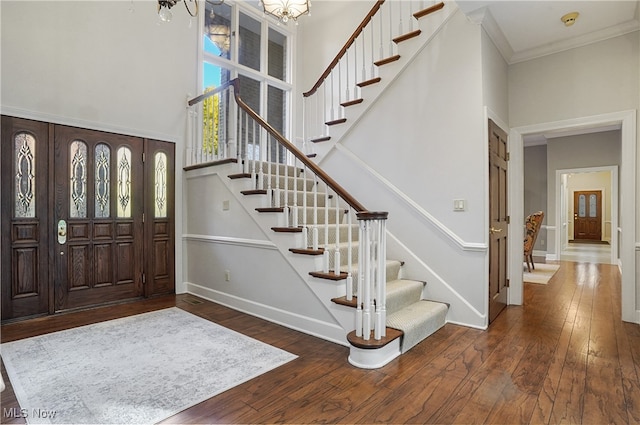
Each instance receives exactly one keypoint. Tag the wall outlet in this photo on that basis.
(225, 205)
(542, 242)
(227, 276)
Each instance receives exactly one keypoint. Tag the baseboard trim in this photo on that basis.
(323, 330)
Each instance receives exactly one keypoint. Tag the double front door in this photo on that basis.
(87, 219)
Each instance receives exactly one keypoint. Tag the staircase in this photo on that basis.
(410, 319)
(313, 221)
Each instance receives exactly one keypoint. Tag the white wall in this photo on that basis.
(419, 147)
(495, 80)
(593, 80)
(105, 65)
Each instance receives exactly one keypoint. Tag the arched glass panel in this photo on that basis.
(25, 177)
(78, 180)
(160, 185)
(103, 187)
(124, 182)
(582, 206)
(593, 203)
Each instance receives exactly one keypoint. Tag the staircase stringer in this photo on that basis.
(389, 73)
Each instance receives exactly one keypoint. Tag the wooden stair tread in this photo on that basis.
(240, 176)
(270, 209)
(369, 82)
(407, 36)
(387, 60)
(287, 229)
(307, 251)
(211, 164)
(254, 192)
(352, 102)
(320, 139)
(371, 343)
(428, 10)
(330, 276)
(344, 301)
(338, 121)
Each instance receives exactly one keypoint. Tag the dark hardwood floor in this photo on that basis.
(563, 357)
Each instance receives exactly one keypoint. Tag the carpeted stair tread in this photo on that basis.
(418, 321)
(402, 293)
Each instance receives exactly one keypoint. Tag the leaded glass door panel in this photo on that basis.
(25, 223)
(99, 205)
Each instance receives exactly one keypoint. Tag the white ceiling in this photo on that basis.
(524, 30)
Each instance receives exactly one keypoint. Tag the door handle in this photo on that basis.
(494, 230)
(62, 232)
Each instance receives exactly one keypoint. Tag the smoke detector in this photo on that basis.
(570, 18)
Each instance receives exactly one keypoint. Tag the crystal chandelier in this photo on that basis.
(286, 9)
(164, 7)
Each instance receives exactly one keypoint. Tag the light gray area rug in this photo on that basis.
(138, 369)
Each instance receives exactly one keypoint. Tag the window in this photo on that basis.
(240, 42)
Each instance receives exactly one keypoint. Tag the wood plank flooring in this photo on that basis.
(563, 357)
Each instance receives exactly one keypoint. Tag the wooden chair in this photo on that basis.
(533, 224)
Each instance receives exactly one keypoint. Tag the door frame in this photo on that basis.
(627, 122)
(561, 239)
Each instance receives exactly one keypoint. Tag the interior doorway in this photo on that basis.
(626, 123)
(570, 183)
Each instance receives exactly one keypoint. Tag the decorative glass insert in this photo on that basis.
(124, 182)
(582, 205)
(78, 180)
(103, 165)
(160, 185)
(593, 203)
(25, 159)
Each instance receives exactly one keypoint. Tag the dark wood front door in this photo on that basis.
(25, 227)
(98, 201)
(587, 215)
(498, 220)
(74, 204)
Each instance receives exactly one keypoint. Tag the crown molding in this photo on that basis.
(572, 43)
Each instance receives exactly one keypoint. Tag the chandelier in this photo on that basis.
(164, 7)
(286, 9)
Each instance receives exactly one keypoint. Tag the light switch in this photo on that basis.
(225, 205)
(458, 205)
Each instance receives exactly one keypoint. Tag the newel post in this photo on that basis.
(371, 313)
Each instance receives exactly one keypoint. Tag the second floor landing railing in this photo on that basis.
(372, 44)
(222, 127)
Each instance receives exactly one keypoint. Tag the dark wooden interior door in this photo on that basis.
(587, 215)
(498, 220)
(99, 203)
(25, 227)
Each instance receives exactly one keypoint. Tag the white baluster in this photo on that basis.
(349, 258)
(366, 300)
(314, 235)
(360, 283)
(336, 261)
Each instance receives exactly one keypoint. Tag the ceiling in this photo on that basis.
(524, 30)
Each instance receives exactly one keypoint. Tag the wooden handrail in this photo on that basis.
(342, 51)
(210, 93)
(339, 190)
